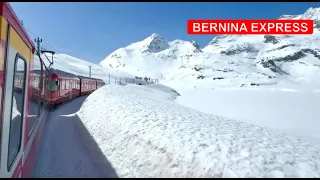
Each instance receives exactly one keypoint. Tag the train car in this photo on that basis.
(99, 83)
(87, 85)
(22, 119)
(62, 86)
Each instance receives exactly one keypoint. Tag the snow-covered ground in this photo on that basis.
(144, 133)
(292, 111)
(67, 149)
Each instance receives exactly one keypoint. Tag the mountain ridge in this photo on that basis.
(283, 57)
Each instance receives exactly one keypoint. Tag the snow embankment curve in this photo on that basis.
(143, 133)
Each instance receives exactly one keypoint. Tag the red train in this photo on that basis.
(27, 92)
(59, 86)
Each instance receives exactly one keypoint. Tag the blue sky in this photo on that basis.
(91, 31)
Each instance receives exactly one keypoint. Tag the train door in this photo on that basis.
(13, 124)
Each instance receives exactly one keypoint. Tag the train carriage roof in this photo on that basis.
(100, 80)
(85, 77)
(7, 12)
(62, 73)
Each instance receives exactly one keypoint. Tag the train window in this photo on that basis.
(67, 84)
(36, 82)
(17, 111)
(52, 85)
(35, 102)
(63, 84)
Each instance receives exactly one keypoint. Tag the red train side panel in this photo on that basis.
(87, 85)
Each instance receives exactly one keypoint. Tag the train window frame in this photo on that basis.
(9, 164)
(37, 80)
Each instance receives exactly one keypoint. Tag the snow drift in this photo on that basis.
(145, 134)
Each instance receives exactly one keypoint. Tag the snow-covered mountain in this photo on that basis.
(78, 66)
(228, 60)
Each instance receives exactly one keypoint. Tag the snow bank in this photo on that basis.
(144, 134)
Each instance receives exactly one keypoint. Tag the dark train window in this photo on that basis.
(17, 111)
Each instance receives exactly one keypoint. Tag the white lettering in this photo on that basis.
(270, 26)
(254, 27)
(205, 25)
(287, 27)
(243, 27)
(262, 27)
(196, 27)
(304, 26)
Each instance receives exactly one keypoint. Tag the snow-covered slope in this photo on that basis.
(77, 66)
(144, 133)
(228, 60)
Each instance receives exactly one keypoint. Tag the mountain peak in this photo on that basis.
(155, 43)
(155, 35)
(311, 13)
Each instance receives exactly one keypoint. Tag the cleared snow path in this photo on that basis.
(67, 149)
